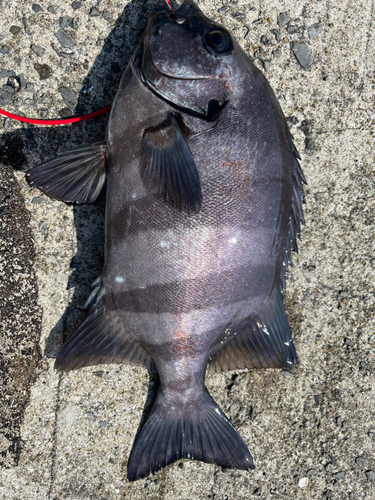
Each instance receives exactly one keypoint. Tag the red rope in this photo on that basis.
(64, 121)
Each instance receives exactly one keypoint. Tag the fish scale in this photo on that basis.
(203, 207)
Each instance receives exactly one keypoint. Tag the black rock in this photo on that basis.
(76, 5)
(65, 39)
(69, 97)
(313, 30)
(282, 20)
(15, 30)
(293, 29)
(36, 7)
(44, 71)
(94, 12)
(39, 51)
(4, 50)
(67, 22)
(303, 54)
(257, 492)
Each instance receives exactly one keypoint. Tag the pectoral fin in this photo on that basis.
(168, 167)
(73, 176)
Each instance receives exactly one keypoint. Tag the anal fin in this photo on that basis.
(100, 339)
(262, 341)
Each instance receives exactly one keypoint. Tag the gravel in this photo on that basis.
(303, 54)
(69, 97)
(39, 51)
(65, 39)
(282, 20)
(313, 30)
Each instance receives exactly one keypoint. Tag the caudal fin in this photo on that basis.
(199, 432)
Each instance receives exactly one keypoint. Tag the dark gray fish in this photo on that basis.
(204, 204)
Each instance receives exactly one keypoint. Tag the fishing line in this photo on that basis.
(64, 121)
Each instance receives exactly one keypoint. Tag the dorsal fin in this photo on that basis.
(296, 216)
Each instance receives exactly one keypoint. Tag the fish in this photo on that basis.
(204, 195)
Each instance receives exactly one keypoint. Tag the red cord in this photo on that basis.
(64, 121)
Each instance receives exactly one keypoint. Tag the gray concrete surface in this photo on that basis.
(312, 432)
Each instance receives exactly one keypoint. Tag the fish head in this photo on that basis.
(187, 58)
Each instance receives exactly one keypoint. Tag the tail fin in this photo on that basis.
(199, 432)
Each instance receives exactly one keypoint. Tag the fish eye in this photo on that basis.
(217, 40)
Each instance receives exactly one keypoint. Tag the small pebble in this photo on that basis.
(282, 20)
(67, 22)
(7, 124)
(51, 10)
(76, 5)
(329, 467)
(43, 228)
(94, 12)
(5, 97)
(36, 7)
(103, 423)
(39, 51)
(30, 87)
(313, 30)
(65, 113)
(65, 39)
(6, 73)
(285, 372)
(38, 200)
(239, 16)
(257, 492)
(264, 40)
(258, 21)
(303, 54)
(302, 483)
(277, 35)
(293, 29)
(44, 71)
(311, 472)
(338, 475)
(359, 460)
(68, 97)
(107, 15)
(370, 475)
(30, 103)
(223, 10)
(4, 50)
(111, 461)
(15, 30)
(364, 366)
